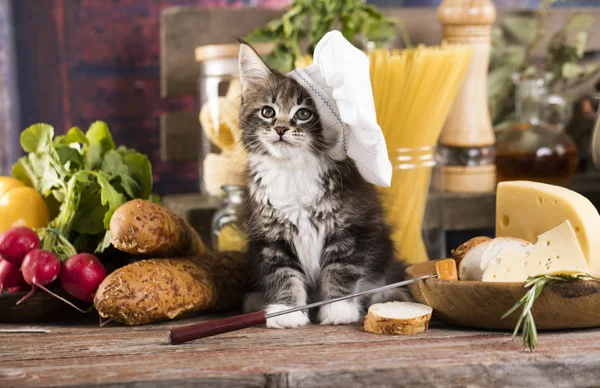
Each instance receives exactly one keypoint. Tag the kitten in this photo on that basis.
(315, 226)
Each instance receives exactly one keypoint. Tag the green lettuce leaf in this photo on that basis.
(37, 138)
(110, 197)
(140, 169)
(105, 242)
(101, 142)
(23, 171)
(74, 136)
(83, 177)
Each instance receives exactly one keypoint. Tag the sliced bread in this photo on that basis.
(397, 318)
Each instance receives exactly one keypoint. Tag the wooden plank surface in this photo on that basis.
(179, 137)
(182, 29)
(323, 356)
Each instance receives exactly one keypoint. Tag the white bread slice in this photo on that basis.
(502, 245)
(470, 265)
(459, 253)
(397, 318)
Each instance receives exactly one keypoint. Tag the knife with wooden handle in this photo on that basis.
(207, 329)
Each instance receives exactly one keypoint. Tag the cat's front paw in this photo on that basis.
(287, 321)
(339, 313)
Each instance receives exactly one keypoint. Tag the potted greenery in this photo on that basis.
(297, 32)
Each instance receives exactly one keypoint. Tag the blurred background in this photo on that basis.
(69, 62)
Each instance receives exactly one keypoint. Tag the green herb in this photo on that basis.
(308, 20)
(88, 176)
(535, 285)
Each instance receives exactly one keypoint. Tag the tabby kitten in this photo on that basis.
(316, 228)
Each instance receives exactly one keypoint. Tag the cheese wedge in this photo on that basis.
(527, 209)
(556, 251)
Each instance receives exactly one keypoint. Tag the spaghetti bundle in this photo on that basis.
(413, 90)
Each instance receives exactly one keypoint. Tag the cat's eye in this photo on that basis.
(267, 112)
(303, 114)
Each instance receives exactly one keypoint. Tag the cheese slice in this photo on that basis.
(527, 209)
(556, 251)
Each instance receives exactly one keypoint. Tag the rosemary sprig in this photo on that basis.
(536, 284)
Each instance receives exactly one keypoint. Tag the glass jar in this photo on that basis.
(535, 147)
(414, 205)
(229, 222)
(221, 157)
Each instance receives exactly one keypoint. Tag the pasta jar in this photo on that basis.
(414, 205)
(221, 156)
(229, 222)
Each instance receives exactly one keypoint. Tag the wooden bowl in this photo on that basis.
(567, 305)
(41, 307)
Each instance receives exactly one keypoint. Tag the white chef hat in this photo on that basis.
(340, 86)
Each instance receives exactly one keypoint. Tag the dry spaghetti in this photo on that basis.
(413, 90)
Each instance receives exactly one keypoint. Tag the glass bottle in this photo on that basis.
(229, 221)
(414, 205)
(535, 147)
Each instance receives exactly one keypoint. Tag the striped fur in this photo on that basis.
(316, 228)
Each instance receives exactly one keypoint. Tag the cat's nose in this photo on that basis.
(281, 130)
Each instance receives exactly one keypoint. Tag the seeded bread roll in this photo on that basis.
(141, 227)
(156, 290)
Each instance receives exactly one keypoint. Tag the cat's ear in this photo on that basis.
(253, 71)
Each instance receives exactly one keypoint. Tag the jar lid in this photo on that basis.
(230, 50)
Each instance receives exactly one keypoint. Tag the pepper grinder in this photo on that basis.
(466, 145)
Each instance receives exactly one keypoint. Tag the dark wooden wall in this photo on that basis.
(85, 60)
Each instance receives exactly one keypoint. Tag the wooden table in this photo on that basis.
(344, 356)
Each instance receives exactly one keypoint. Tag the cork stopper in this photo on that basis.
(466, 21)
(466, 12)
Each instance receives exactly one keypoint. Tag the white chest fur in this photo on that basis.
(292, 188)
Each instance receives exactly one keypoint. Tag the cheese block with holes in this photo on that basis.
(527, 209)
(556, 251)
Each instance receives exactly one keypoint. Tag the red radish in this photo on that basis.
(39, 268)
(81, 275)
(16, 242)
(20, 288)
(10, 276)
